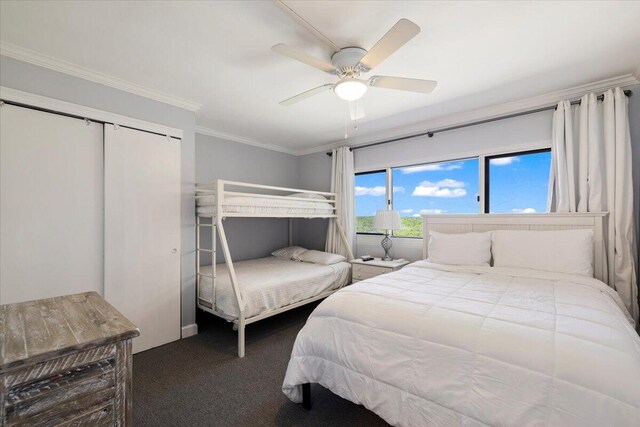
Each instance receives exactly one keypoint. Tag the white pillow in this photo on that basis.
(290, 252)
(562, 251)
(319, 257)
(460, 249)
(308, 196)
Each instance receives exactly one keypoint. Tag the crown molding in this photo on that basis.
(59, 65)
(493, 111)
(637, 73)
(53, 104)
(242, 140)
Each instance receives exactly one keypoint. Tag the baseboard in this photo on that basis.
(189, 330)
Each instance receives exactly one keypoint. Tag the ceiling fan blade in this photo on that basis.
(299, 97)
(401, 83)
(396, 37)
(356, 110)
(298, 55)
(300, 20)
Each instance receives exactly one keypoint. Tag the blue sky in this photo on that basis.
(517, 184)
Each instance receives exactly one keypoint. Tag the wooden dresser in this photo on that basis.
(65, 361)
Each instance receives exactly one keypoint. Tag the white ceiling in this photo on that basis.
(218, 54)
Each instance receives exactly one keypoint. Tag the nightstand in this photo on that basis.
(362, 270)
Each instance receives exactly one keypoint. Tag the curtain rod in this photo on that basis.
(479, 122)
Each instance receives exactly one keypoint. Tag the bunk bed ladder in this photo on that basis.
(211, 251)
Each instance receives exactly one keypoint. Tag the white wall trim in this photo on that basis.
(545, 100)
(62, 66)
(189, 330)
(235, 138)
(53, 104)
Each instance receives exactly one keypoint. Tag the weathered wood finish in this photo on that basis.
(65, 361)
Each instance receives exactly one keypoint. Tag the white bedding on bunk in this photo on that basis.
(271, 283)
(247, 204)
(454, 345)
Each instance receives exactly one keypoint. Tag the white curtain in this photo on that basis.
(342, 183)
(591, 171)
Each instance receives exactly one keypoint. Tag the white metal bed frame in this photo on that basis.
(219, 188)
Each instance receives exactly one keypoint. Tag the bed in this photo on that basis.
(271, 283)
(248, 291)
(448, 345)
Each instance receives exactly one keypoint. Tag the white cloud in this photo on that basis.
(503, 161)
(451, 183)
(432, 211)
(371, 191)
(405, 211)
(445, 188)
(376, 191)
(431, 167)
(525, 210)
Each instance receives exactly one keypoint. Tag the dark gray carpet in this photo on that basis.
(199, 381)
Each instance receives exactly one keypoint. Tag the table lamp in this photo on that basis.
(387, 220)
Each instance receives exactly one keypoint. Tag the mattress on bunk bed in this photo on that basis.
(258, 205)
(270, 283)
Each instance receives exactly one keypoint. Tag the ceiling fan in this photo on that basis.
(349, 63)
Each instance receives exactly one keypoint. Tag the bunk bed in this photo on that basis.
(225, 296)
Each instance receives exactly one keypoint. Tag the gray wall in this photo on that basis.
(314, 173)
(41, 81)
(247, 237)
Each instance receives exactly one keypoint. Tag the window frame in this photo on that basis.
(484, 160)
(486, 190)
(388, 202)
(458, 159)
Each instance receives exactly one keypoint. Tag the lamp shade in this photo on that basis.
(387, 220)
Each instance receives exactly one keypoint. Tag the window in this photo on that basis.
(513, 183)
(370, 196)
(517, 183)
(450, 187)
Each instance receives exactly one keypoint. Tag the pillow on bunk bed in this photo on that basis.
(319, 257)
(308, 196)
(290, 252)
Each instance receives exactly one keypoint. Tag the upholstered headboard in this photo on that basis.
(467, 223)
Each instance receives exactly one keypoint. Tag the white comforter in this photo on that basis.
(435, 345)
(270, 283)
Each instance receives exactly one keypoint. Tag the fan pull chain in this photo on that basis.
(346, 127)
(355, 110)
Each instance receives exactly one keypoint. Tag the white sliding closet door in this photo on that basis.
(51, 198)
(142, 232)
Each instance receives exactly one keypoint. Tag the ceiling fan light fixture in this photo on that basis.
(350, 89)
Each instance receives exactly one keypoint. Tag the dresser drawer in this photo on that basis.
(359, 275)
(370, 270)
(52, 392)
